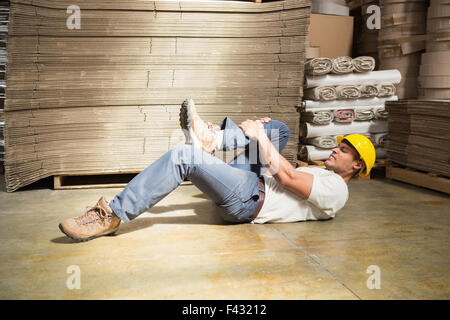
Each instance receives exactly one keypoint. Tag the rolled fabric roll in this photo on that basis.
(344, 115)
(348, 91)
(324, 142)
(363, 64)
(364, 114)
(382, 76)
(342, 65)
(318, 117)
(322, 93)
(312, 153)
(309, 130)
(380, 112)
(369, 91)
(318, 66)
(386, 90)
(380, 138)
(366, 102)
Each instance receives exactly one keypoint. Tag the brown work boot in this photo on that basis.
(97, 221)
(198, 132)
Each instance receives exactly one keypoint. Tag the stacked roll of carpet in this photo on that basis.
(419, 135)
(434, 79)
(4, 17)
(105, 97)
(401, 41)
(344, 95)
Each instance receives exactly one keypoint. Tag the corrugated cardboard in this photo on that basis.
(419, 134)
(438, 11)
(438, 46)
(434, 3)
(438, 82)
(434, 79)
(402, 18)
(333, 34)
(330, 7)
(403, 7)
(400, 49)
(438, 24)
(4, 17)
(401, 62)
(106, 97)
(312, 52)
(403, 36)
(435, 69)
(439, 57)
(433, 94)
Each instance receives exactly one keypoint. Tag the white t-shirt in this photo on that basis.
(329, 194)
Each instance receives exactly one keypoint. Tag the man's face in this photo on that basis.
(342, 159)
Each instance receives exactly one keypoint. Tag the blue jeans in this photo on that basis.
(233, 187)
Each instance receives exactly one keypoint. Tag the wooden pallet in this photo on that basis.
(95, 180)
(381, 163)
(418, 178)
(92, 180)
(100, 180)
(317, 164)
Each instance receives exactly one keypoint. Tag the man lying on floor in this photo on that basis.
(241, 190)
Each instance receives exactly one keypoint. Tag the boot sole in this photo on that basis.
(109, 233)
(186, 125)
(185, 121)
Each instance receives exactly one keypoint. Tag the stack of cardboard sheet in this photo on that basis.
(330, 30)
(434, 79)
(330, 35)
(344, 96)
(401, 41)
(365, 36)
(4, 15)
(419, 134)
(105, 97)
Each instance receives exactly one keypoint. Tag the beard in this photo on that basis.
(333, 167)
(329, 166)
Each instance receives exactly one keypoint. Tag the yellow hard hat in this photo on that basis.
(365, 148)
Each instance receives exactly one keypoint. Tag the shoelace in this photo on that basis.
(92, 214)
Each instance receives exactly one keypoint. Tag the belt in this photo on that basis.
(261, 198)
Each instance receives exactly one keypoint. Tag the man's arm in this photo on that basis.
(297, 182)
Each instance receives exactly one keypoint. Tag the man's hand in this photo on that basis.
(253, 129)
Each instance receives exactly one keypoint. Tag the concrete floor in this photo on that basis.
(181, 250)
